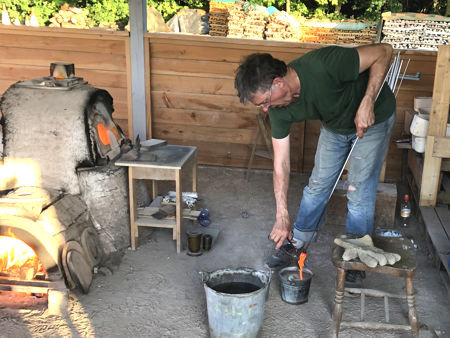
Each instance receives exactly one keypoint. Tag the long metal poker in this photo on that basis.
(316, 228)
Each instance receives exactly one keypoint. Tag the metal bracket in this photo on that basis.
(410, 77)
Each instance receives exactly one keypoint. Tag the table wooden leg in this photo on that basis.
(179, 210)
(412, 314)
(133, 232)
(338, 300)
(154, 188)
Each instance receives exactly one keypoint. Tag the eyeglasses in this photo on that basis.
(266, 103)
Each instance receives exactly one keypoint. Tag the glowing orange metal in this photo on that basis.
(301, 264)
(103, 134)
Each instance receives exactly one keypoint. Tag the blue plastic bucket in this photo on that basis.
(235, 301)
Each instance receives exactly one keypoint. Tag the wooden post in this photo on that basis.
(437, 127)
(138, 26)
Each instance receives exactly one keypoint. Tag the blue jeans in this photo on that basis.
(365, 166)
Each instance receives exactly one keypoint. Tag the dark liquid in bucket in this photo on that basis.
(236, 288)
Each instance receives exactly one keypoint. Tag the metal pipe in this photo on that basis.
(402, 77)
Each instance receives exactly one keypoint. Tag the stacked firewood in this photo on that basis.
(311, 31)
(255, 24)
(70, 17)
(218, 17)
(236, 20)
(416, 31)
(331, 33)
(247, 21)
(282, 26)
(366, 36)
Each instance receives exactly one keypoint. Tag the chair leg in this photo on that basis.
(252, 154)
(339, 298)
(412, 314)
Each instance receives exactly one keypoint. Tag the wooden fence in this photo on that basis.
(100, 57)
(192, 100)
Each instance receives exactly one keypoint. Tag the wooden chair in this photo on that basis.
(405, 268)
(263, 127)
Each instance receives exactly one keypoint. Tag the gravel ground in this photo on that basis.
(156, 293)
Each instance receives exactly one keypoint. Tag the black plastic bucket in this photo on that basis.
(293, 289)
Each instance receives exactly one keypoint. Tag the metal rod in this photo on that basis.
(396, 76)
(412, 77)
(402, 77)
(363, 306)
(386, 308)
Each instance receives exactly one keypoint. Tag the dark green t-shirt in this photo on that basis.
(331, 91)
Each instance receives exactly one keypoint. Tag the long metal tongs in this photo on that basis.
(391, 77)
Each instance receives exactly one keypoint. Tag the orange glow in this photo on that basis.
(19, 172)
(116, 134)
(103, 134)
(17, 258)
(301, 264)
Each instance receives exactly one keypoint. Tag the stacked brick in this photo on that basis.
(415, 31)
(282, 26)
(218, 17)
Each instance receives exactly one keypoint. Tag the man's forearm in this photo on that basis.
(374, 58)
(378, 67)
(280, 187)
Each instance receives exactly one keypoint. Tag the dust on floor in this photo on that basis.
(156, 293)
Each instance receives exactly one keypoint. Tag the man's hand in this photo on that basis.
(365, 116)
(281, 230)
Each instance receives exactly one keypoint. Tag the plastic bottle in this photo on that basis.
(33, 18)
(405, 211)
(5, 16)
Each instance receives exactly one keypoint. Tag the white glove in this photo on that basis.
(364, 249)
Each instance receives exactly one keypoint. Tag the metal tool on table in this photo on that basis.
(137, 146)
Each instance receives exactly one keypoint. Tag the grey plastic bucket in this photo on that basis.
(235, 301)
(293, 289)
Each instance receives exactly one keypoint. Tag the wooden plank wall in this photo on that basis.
(193, 100)
(191, 81)
(100, 57)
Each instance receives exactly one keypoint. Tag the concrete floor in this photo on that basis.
(156, 293)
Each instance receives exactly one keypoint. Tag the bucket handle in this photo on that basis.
(265, 275)
(205, 276)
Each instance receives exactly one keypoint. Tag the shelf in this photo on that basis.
(153, 222)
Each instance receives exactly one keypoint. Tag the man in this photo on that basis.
(338, 86)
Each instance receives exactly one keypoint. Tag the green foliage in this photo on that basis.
(373, 9)
(118, 11)
(167, 8)
(108, 11)
(43, 9)
(330, 9)
(299, 8)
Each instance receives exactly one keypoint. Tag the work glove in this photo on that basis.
(364, 249)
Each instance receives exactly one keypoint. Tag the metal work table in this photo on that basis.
(167, 163)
